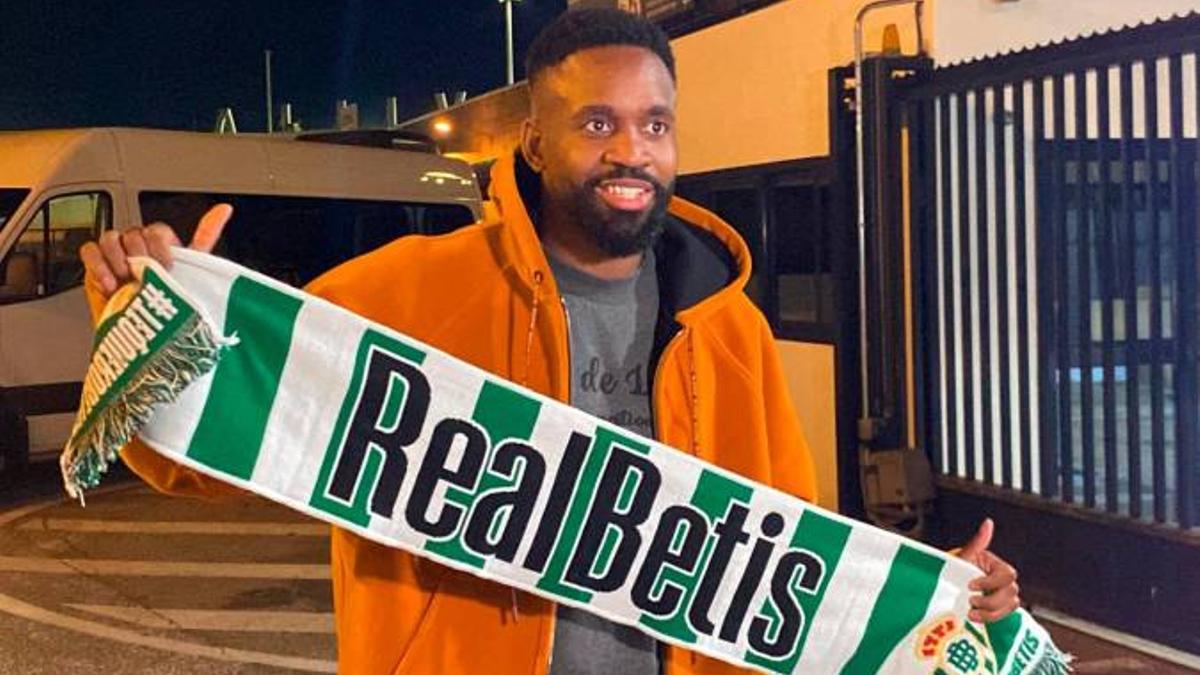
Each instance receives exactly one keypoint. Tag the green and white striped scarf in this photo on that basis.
(290, 397)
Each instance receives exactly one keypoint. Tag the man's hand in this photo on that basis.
(1000, 595)
(107, 260)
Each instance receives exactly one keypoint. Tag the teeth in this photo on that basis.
(624, 191)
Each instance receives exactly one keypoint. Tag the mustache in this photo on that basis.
(628, 172)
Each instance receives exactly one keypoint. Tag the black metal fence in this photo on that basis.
(1055, 220)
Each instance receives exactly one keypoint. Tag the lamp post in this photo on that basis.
(270, 102)
(508, 37)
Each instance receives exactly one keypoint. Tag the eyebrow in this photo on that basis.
(589, 110)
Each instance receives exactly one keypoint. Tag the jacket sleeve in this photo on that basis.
(159, 472)
(792, 468)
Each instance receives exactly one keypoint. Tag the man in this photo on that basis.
(592, 285)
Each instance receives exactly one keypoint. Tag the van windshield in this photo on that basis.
(10, 199)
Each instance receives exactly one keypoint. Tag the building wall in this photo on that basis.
(754, 90)
(812, 383)
(970, 29)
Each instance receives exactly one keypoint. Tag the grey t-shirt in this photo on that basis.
(612, 336)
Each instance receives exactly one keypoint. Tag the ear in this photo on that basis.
(531, 145)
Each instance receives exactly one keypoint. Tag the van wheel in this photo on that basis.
(14, 440)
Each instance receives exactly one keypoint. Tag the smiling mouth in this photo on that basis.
(626, 195)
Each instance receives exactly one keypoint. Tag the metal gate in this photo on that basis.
(1051, 199)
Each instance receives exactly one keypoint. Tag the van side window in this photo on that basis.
(45, 259)
(295, 239)
(443, 218)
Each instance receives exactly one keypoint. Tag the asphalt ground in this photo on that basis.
(138, 582)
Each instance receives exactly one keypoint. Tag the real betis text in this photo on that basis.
(604, 490)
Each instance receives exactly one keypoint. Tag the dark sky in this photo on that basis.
(173, 63)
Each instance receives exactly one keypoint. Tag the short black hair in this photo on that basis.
(580, 29)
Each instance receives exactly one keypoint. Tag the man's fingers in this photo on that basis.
(208, 231)
(994, 584)
(133, 242)
(160, 238)
(97, 268)
(993, 614)
(987, 608)
(999, 594)
(999, 575)
(114, 255)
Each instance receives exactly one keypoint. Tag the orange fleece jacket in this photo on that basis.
(485, 294)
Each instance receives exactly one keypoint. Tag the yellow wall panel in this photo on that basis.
(754, 90)
(810, 373)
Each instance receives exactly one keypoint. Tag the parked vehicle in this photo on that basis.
(299, 209)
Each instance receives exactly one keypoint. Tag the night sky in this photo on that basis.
(174, 63)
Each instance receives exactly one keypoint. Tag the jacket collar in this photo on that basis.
(702, 262)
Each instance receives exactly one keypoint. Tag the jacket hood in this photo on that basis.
(703, 263)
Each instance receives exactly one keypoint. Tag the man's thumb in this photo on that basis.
(980, 542)
(208, 231)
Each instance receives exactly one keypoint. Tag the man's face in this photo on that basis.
(603, 139)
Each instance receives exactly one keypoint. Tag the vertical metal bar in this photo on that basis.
(927, 422)
(1083, 270)
(1157, 423)
(1026, 404)
(1000, 170)
(1062, 292)
(948, 305)
(964, 264)
(759, 256)
(1128, 267)
(270, 96)
(770, 280)
(818, 201)
(1106, 263)
(985, 323)
(1178, 234)
(508, 40)
(1187, 332)
(1047, 186)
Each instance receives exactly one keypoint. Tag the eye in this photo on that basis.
(658, 127)
(597, 126)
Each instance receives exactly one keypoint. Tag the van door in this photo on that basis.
(45, 328)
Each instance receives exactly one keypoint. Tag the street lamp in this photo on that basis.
(508, 36)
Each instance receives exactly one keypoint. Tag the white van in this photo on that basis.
(299, 209)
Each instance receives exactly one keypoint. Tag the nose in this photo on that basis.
(627, 148)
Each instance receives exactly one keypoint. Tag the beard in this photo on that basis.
(615, 232)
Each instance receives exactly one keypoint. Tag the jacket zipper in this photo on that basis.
(654, 384)
(567, 325)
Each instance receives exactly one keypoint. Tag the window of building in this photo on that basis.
(784, 212)
(804, 280)
(742, 208)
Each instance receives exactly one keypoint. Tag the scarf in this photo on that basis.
(290, 397)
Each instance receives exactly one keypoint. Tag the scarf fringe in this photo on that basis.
(193, 352)
(1053, 662)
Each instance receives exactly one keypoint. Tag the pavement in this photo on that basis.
(138, 582)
